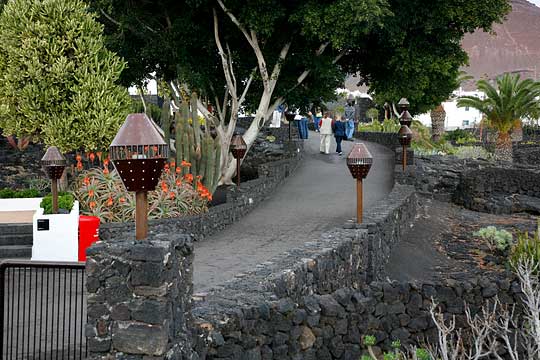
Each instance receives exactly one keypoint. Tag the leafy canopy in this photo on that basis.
(506, 104)
(57, 79)
(417, 54)
(399, 48)
(176, 39)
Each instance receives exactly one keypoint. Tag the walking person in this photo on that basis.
(340, 133)
(318, 116)
(325, 129)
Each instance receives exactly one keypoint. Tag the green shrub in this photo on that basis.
(18, 194)
(526, 249)
(495, 239)
(460, 136)
(57, 78)
(65, 202)
(472, 152)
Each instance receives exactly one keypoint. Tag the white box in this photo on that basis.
(61, 241)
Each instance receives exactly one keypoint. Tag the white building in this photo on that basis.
(456, 117)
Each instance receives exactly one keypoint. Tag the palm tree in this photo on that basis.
(505, 106)
(438, 115)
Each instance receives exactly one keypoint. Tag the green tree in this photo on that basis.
(57, 79)
(235, 54)
(417, 54)
(505, 106)
(373, 114)
(259, 54)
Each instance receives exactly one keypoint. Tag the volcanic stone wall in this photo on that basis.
(528, 154)
(499, 190)
(390, 140)
(331, 326)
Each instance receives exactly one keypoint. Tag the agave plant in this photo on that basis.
(101, 193)
(505, 106)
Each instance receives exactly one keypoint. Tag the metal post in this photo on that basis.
(141, 215)
(238, 172)
(404, 157)
(54, 191)
(290, 135)
(359, 201)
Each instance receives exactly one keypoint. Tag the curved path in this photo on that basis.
(320, 195)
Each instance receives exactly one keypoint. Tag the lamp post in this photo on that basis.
(290, 118)
(359, 162)
(54, 163)
(238, 150)
(405, 138)
(138, 153)
(405, 133)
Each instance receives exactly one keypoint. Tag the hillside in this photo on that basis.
(514, 48)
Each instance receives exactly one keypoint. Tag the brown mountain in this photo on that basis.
(515, 46)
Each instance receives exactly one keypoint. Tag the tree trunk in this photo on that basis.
(517, 131)
(503, 147)
(438, 116)
(249, 137)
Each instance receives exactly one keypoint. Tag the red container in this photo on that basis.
(88, 234)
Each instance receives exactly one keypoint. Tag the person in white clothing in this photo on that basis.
(325, 129)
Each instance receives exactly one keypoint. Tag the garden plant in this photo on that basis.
(101, 193)
(505, 106)
(57, 78)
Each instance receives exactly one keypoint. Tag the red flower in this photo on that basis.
(110, 201)
(91, 193)
(78, 158)
(122, 200)
(79, 165)
(92, 156)
(173, 164)
(178, 182)
(164, 186)
(188, 178)
(172, 195)
(92, 204)
(99, 153)
(178, 170)
(105, 170)
(106, 162)
(185, 163)
(167, 169)
(86, 181)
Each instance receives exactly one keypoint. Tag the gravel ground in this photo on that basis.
(441, 243)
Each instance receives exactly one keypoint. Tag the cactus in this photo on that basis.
(166, 121)
(197, 147)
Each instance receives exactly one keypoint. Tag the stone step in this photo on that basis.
(16, 239)
(18, 229)
(15, 251)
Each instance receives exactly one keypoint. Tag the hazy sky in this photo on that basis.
(536, 2)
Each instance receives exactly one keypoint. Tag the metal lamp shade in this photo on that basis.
(359, 161)
(139, 153)
(405, 118)
(238, 146)
(403, 104)
(405, 135)
(290, 116)
(53, 163)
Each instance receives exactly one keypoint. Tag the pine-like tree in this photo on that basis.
(57, 79)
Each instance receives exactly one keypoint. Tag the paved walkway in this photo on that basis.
(319, 196)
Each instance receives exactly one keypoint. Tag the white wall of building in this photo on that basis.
(456, 117)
